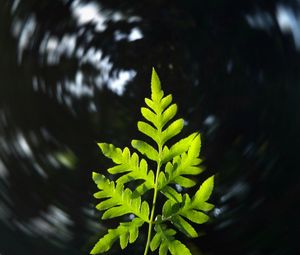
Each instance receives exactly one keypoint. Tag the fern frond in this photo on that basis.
(185, 164)
(178, 148)
(130, 166)
(126, 232)
(175, 164)
(119, 201)
(191, 209)
(159, 113)
(165, 240)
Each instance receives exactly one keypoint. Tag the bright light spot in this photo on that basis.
(54, 48)
(210, 120)
(178, 187)
(23, 145)
(26, 36)
(118, 83)
(285, 19)
(120, 36)
(217, 212)
(289, 22)
(134, 19)
(89, 13)
(78, 88)
(135, 34)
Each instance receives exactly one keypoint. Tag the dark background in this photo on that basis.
(73, 73)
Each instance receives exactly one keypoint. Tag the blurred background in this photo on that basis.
(73, 73)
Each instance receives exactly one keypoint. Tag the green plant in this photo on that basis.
(173, 166)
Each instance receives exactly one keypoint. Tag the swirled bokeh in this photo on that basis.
(73, 73)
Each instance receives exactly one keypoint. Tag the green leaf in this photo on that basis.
(159, 114)
(145, 149)
(148, 130)
(169, 209)
(119, 200)
(178, 248)
(152, 105)
(168, 114)
(204, 191)
(192, 209)
(157, 93)
(165, 102)
(110, 151)
(165, 240)
(175, 165)
(150, 116)
(130, 165)
(172, 130)
(124, 238)
(155, 242)
(195, 216)
(184, 182)
(171, 194)
(178, 148)
(127, 232)
(185, 164)
(184, 226)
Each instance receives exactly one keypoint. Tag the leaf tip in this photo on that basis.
(211, 180)
(95, 250)
(102, 146)
(155, 82)
(95, 175)
(155, 86)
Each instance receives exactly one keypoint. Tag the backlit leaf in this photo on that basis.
(172, 130)
(124, 231)
(145, 149)
(158, 166)
(165, 240)
(119, 200)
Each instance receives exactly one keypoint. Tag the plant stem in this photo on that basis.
(154, 201)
